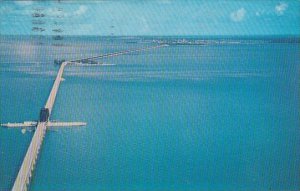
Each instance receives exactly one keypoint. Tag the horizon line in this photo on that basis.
(254, 35)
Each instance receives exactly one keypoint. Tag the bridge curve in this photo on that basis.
(27, 167)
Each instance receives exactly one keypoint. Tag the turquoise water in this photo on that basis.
(220, 116)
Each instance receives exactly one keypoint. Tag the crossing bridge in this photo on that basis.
(27, 167)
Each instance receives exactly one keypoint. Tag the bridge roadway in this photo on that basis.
(29, 161)
(25, 172)
(119, 53)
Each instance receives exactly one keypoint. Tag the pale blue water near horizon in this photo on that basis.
(223, 115)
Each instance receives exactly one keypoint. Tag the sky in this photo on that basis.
(152, 17)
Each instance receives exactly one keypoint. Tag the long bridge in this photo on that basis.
(29, 161)
(119, 53)
(28, 164)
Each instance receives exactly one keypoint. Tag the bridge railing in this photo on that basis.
(25, 171)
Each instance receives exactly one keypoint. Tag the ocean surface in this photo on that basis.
(214, 113)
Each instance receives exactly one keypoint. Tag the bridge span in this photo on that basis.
(25, 172)
(27, 167)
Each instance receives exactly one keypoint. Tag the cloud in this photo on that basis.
(260, 13)
(164, 1)
(83, 29)
(281, 8)
(23, 3)
(238, 15)
(5, 10)
(54, 12)
(145, 26)
(82, 9)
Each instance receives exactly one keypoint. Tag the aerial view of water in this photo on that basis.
(218, 113)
